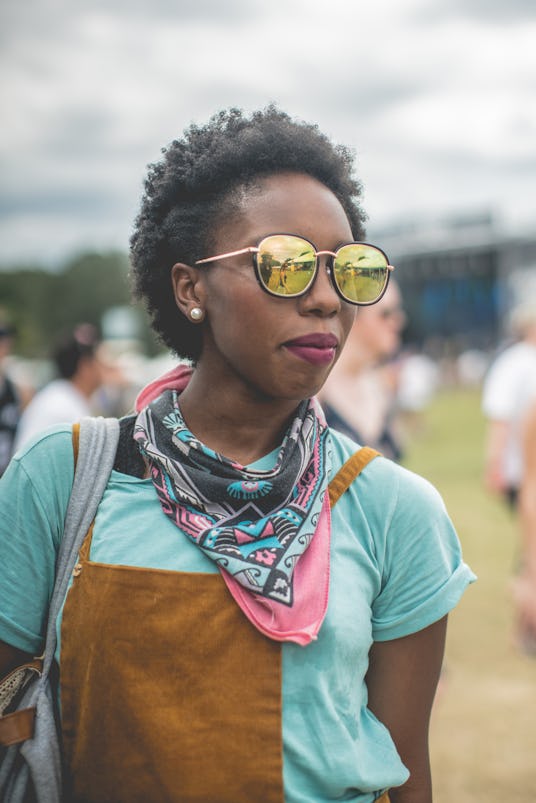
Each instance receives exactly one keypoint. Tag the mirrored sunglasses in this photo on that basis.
(287, 265)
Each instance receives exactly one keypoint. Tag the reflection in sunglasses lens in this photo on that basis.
(360, 272)
(286, 264)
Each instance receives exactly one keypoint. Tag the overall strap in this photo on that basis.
(349, 471)
(76, 442)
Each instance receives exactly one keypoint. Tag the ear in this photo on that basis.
(187, 288)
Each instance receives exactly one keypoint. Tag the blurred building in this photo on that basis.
(460, 278)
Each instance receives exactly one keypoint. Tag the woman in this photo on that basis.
(313, 679)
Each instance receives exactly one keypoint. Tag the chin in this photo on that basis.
(312, 390)
(296, 393)
(322, 381)
(294, 386)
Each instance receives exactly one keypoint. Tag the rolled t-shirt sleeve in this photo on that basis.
(423, 575)
(34, 494)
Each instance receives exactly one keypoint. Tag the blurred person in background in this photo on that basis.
(418, 381)
(506, 394)
(122, 378)
(359, 396)
(67, 398)
(10, 399)
(525, 583)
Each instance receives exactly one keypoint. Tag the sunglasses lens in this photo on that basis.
(360, 272)
(286, 264)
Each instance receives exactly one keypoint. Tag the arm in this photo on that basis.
(500, 406)
(402, 679)
(497, 437)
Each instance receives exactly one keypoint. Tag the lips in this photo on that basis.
(317, 348)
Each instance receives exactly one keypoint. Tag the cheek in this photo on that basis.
(230, 291)
(244, 321)
(392, 328)
(389, 338)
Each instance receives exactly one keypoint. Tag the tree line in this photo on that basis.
(40, 303)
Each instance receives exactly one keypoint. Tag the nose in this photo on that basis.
(321, 299)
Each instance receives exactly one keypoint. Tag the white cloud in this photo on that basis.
(436, 99)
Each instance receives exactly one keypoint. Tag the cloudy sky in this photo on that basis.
(436, 97)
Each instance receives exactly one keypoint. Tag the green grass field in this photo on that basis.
(483, 736)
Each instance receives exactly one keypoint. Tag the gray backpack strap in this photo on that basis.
(96, 454)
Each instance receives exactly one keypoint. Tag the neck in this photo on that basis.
(241, 426)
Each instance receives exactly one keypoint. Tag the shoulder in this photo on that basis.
(58, 391)
(381, 468)
(45, 459)
(58, 402)
(62, 392)
(36, 486)
(501, 382)
(51, 439)
(390, 498)
(513, 361)
(390, 503)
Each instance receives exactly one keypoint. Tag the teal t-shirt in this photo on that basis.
(396, 567)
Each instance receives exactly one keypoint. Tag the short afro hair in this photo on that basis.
(194, 187)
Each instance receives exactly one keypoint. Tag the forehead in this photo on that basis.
(293, 203)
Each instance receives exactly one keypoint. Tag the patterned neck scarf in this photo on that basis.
(257, 526)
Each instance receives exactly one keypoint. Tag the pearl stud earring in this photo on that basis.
(196, 313)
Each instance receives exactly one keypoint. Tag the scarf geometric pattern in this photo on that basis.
(256, 525)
